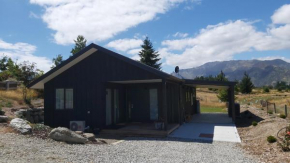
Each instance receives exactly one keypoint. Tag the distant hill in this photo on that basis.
(262, 72)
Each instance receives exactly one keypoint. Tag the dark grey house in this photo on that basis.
(104, 88)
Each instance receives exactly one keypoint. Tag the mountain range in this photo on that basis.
(262, 73)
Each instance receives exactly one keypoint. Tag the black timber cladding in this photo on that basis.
(88, 78)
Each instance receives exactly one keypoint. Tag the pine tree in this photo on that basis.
(80, 43)
(221, 77)
(222, 93)
(56, 61)
(148, 55)
(246, 84)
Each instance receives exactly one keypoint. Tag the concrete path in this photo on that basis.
(208, 127)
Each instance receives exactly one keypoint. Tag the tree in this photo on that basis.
(222, 93)
(56, 61)
(148, 55)
(221, 77)
(28, 73)
(282, 85)
(3, 63)
(246, 84)
(80, 43)
(237, 87)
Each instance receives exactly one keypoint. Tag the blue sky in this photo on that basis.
(187, 33)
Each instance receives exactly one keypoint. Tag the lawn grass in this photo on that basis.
(212, 109)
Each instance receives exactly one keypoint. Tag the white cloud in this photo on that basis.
(222, 41)
(282, 15)
(134, 51)
(136, 57)
(125, 44)
(274, 57)
(99, 20)
(180, 34)
(24, 52)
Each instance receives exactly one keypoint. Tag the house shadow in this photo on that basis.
(187, 140)
(187, 132)
(246, 119)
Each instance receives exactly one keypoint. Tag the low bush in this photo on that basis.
(266, 90)
(282, 116)
(270, 112)
(8, 104)
(254, 123)
(285, 145)
(271, 139)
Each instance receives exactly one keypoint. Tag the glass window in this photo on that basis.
(59, 99)
(69, 100)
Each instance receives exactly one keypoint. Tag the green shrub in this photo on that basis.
(282, 116)
(254, 123)
(271, 139)
(8, 104)
(279, 89)
(270, 112)
(266, 90)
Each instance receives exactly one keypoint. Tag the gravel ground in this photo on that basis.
(19, 148)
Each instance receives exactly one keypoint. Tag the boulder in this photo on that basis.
(20, 113)
(66, 135)
(89, 136)
(21, 125)
(3, 118)
(2, 112)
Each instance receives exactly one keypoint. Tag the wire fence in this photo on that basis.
(275, 108)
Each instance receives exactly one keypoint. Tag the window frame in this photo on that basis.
(64, 99)
(65, 95)
(63, 106)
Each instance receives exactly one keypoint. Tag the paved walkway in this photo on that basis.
(208, 127)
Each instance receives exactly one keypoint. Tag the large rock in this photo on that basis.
(34, 115)
(3, 118)
(21, 125)
(20, 113)
(66, 135)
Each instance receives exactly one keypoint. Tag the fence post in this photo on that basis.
(275, 107)
(286, 113)
(267, 106)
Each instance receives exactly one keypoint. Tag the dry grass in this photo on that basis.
(17, 95)
(208, 98)
(279, 98)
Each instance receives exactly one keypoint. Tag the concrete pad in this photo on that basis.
(217, 124)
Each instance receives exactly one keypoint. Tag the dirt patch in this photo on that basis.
(4, 128)
(254, 138)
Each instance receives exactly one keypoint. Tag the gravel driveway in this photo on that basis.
(19, 148)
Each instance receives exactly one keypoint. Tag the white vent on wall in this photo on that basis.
(77, 125)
